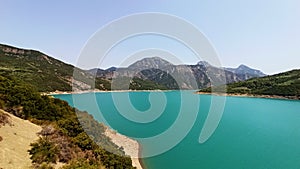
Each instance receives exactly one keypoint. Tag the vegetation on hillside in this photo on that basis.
(4, 119)
(64, 138)
(285, 84)
(125, 83)
(46, 73)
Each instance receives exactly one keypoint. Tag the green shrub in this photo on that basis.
(43, 151)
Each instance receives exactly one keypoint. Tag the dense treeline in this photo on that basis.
(285, 84)
(34, 67)
(66, 131)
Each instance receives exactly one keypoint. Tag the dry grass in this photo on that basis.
(16, 142)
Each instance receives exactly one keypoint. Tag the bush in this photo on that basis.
(83, 164)
(45, 166)
(43, 151)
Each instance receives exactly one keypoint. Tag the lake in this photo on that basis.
(254, 133)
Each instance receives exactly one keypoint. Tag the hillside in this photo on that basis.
(285, 84)
(68, 135)
(42, 71)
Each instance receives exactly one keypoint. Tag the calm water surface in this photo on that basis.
(254, 133)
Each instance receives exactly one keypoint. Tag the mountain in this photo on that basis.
(285, 84)
(172, 76)
(246, 71)
(152, 62)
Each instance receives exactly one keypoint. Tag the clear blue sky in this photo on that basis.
(264, 34)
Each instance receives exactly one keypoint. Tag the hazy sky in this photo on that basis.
(264, 34)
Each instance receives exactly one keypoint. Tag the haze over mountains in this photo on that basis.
(50, 74)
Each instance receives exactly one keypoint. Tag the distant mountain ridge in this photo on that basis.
(163, 72)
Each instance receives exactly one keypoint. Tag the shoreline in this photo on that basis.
(201, 93)
(140, 155)
(131, 147)
(101, 91)
(251, 95)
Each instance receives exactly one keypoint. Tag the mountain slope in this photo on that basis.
(38, 69)
(284, 84)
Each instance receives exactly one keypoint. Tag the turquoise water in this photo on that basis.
(254, 133)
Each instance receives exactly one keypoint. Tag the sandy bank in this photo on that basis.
(131, 147)
(251, 95)
(16, 142)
